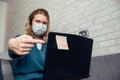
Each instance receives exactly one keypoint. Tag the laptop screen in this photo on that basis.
(68, 56)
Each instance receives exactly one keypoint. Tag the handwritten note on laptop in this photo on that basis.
(62, 42)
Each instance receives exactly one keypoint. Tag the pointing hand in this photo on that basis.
(23, 44)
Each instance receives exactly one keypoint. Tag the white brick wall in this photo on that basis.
(117, 27)
(100, 51)
(114, 49)
(100, 17)
(100, 39)
(107, 43)
(114, 35)
(118, 41)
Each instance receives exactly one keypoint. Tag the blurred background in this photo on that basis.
(96, 19)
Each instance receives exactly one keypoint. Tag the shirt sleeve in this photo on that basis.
(14, 56)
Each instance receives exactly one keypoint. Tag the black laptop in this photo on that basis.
(68, 57)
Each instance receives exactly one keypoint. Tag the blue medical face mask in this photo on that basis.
(39, 29)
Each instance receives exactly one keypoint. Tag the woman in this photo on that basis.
(28, 50)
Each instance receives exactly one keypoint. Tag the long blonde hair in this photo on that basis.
(28, 26)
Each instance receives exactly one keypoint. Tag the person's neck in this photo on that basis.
(38, 37)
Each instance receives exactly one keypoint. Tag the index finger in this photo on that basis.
(37, 41)
(34, 41)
